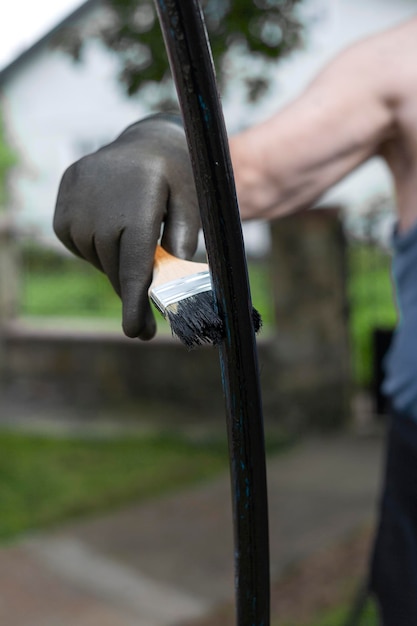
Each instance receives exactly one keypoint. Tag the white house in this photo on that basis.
(56, 110)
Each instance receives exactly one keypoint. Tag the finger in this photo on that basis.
(108, 251)
(135, 276)
(62, 231)
(73, 228)
(181, 228)
(86, 247)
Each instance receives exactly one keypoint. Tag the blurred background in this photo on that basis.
(92, 423)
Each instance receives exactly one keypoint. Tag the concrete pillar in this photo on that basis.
(9, 287)
(9, 271)
(311, 343)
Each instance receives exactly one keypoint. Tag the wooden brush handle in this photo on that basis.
(161, 256)
(168, 267)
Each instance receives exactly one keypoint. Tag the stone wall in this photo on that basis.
(104, 369)
(94, 372)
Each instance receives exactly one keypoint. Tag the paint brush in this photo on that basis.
(182, 292)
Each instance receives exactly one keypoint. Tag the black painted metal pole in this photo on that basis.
(189, 54)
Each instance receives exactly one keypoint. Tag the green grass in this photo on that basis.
(261, 291)
(371, 305)
(56, 286)
(59, 287)
(44, 480)
(67, 287)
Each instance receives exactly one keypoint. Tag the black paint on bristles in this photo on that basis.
(257, 320)
(195, 321)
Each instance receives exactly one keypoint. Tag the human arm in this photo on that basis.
(343, 118)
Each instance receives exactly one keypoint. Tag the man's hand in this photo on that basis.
(113, 206)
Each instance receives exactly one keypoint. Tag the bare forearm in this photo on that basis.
(267, 184)
(289, 161)
(279, 177)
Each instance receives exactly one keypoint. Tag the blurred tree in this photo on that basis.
(7, 160)
(257, 31)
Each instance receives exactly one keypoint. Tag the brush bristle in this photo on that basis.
(195, 322)
(257, 320)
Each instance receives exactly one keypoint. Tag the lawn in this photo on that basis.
(69, 287)
(66, 287)
(56, 286)
(371, 304)
(44, 480)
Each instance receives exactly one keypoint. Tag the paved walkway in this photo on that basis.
(171, 560)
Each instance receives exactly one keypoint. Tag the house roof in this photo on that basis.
(71, 19)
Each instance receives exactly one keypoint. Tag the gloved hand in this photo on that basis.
(112, 205)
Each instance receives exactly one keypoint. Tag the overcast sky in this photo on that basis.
(23, 23)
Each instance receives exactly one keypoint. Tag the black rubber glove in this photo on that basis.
(113, 206)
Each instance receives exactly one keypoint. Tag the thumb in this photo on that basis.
(181, 229)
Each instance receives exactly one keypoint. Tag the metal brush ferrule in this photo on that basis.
(180, 289)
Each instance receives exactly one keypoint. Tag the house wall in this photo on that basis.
(56, 111)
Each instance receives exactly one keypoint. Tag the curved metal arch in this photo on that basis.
(191, 64)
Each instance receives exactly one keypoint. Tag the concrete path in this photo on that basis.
(171, 560)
